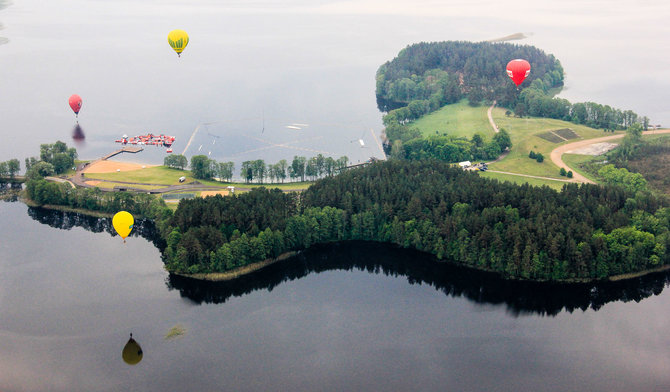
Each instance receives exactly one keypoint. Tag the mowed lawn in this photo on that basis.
(459, 119)
(524, 131)
(161, 175)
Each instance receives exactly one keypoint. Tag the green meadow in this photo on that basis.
(459, 119)
(524, 131)
(523, 180)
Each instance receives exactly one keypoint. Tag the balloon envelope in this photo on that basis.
(178, 39)
(75, 103)
(132, 352)
(123, 223)
(518, 70)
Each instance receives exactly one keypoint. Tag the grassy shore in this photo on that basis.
(238, 272)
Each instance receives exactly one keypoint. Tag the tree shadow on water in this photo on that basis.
(519, 298)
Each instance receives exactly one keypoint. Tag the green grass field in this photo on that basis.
(523, 180)
(459, 119)
(150, 175)
(462, 119)
(523, 132)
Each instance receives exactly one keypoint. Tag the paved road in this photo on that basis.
(557, 153)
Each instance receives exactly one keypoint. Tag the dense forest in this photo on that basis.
(445, 72)
(426, 76)
(521, 232)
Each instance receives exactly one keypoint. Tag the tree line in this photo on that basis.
(9, 169)
(299, 169)
(452, 149)
(523, 232)
(55, 158)
(537, 101)
(43, 192)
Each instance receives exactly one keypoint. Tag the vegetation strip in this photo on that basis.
(240, 271)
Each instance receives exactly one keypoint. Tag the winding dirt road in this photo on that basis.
(489, 113)
(557, 153)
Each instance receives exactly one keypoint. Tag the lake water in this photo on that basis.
(347, 317)
(252, 68)
(352, 316)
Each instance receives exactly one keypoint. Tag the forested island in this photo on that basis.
(582, 233)
(427, 76)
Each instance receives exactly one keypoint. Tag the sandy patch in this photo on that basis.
(111, 166)
(594, 149)
(212, 193)
(93, 183)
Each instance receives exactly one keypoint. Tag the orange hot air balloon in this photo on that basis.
(75, 103)
(518, 70)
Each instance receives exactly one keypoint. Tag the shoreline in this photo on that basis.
(633, 275)
(239, 271)
(251, 268)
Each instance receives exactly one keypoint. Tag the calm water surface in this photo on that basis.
(349, 317)
(345, 317)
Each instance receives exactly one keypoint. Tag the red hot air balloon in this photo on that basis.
(75, 103)
(518, 70)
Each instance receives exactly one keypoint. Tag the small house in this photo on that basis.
(465, 164)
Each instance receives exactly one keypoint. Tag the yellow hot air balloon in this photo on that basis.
(178, 39)
(123, 223)
(132, 352)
